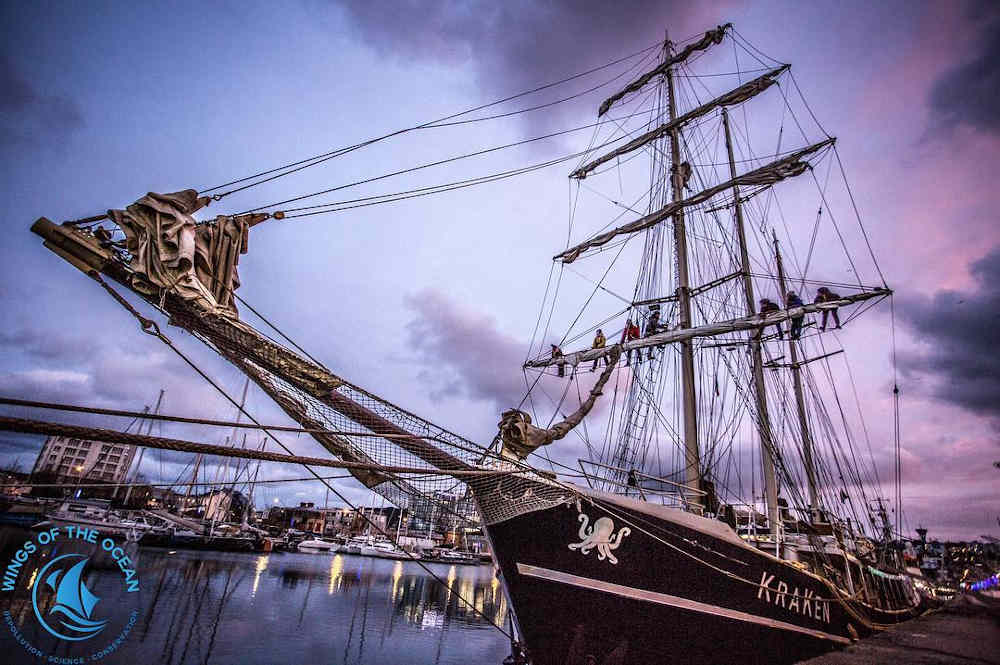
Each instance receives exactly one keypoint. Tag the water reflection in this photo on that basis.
(205, 607)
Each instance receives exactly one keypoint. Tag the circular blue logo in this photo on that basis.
(83, 590)
(71, 617)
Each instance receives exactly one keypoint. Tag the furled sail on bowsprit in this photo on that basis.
(349, 422)
(170, 250)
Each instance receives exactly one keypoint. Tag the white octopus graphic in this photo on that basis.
(600, 536)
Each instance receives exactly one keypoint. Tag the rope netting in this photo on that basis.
(365, 428)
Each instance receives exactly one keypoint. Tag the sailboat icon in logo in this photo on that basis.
(73, 600)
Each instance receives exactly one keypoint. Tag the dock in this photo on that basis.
(965, 631)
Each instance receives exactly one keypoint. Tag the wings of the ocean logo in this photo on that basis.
(70, 616)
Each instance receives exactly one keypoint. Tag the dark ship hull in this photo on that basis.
(673, 587)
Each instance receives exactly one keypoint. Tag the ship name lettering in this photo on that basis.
(799, 601)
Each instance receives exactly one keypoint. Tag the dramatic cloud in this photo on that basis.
(26, 115)
(960, 329)
(518, 45)
(47, 344)
(463, 353)
(967, 94)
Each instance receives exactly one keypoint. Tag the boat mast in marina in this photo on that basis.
(138, 463)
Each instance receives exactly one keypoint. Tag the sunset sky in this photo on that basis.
(431, 302)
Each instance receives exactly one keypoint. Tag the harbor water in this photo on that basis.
(248, 608)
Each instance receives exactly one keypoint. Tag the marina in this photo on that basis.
(676, 426)
(228, 607)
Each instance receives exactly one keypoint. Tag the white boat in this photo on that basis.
(94, 514)
(369, 546)
(385, 550)
(319, 546)
(454, 556)
(355, 544)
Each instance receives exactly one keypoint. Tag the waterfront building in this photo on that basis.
(337, 521)
(68, 460)
(218, 505)
(164, 498)
(305, 517)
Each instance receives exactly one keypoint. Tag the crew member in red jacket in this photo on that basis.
(630, 333)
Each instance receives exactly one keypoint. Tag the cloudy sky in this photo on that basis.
(431, 302)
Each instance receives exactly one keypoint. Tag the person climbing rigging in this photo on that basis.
(793, 300)
(652, 326)
(561, 364)
(824, 294)
(768, 306)
(599, 342)
(631, 332)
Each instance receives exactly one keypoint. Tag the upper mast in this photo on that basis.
(692, 464)
(760, 394)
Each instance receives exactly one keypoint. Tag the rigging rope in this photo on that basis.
(27, 426)
(337, 152)
(136, 484)
(10, 401)
(435, 163)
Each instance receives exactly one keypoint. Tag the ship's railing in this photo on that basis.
(679, 495)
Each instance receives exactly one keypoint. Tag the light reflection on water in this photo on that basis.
(211, 607)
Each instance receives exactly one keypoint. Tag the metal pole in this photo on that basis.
(692, 463)
(149, 430)
(800, 403)
(760, 393)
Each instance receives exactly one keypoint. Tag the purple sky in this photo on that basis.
(431, 302)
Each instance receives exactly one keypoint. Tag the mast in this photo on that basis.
(220, 474)
(760, 394)
(250, 505)
(138, 463)
(800, 403)
(194, 480)
(692, 464)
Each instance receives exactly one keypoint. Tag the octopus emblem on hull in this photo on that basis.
(601, 535)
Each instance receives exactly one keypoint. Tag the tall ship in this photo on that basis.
(725, 506)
